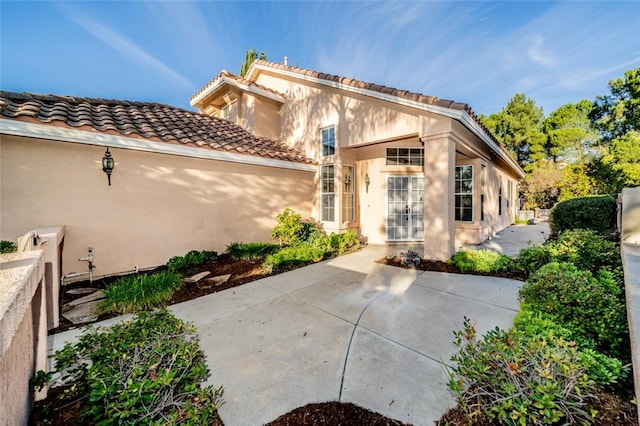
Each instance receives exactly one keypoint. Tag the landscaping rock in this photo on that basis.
(83, 313)
(84, 290)
(196, 277)
(96, 295)
(214, 281)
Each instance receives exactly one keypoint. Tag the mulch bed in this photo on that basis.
(333, 413)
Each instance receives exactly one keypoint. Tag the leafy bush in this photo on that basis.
(597, 213)
(532, 258)
(7, 246)
(289, 227)
(587, 250)
(136, 293)
(514, 379)
(250, 250)
(193, 258)
(604, 370)
(345, 242)
(481, 261)
(294, 255)
(147, 371)
(583, 247)
(410, 259)
(589, 305)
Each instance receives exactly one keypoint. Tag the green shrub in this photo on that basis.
(604, 370)
(589, 305)
(481, 261)
(148, 371)
(294, 255)
(250, 250)
(345, 242)
(597, 213)
(513, 379)
(587, 250)
(136, 293)
(7, 246)
(288, 227)
(532, 258)
(193, 258)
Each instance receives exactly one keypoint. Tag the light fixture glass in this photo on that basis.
(107, 164)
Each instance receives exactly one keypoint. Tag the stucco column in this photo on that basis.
(439, 225)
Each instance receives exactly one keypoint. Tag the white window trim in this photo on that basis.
(322, 194)
(352, 194)
(421, 156)
(335, 140)
(473, 191)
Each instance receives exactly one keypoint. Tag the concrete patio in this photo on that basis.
(348, 330)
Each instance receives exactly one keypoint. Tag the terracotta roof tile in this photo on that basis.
(403, 94)
(144, 120)
(239, 80)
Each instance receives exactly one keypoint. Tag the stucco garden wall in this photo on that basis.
(158, 205)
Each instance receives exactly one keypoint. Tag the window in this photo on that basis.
(405, 156)
(464, 193)
(348, 194)
(509, 193)
(225, 112)
(327, 194)
(328, 137)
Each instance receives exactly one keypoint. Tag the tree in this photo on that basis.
(570, 135)
(518, 127)
(618, 113)
(540, 188)
(624, 157)
(251, 56)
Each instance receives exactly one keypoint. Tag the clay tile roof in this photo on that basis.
(153, 121)
(402, 94)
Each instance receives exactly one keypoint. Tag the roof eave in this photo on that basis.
(64, 134)
(222, 80)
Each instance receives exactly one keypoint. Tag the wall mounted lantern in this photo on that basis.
(107, 164)
(367, 181)
(347, 182)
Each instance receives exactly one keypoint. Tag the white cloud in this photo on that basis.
(125, 47)
(539, 55)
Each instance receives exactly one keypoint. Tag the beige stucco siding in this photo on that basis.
(158, 205)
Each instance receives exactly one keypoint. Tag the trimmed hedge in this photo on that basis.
(597, 213)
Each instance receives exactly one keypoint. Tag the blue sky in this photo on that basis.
(481, 53)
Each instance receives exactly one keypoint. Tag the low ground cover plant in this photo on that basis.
(481, 261)
(597, 213)
(192, 258)
(148, 371)
(137, 293)
(240, 251)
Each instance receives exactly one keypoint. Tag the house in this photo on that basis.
(392, 165)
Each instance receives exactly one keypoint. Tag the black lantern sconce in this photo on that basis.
(107, 164)
(367, 181)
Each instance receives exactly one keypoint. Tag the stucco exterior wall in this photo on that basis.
(158, 205)
(260, 116)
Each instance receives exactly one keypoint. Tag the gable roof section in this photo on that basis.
(170, 129)
(456, 110)
(225, 77)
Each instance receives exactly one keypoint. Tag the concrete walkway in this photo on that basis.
(348, 330)
(511, 240)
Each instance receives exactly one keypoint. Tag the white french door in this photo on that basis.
(405, 208)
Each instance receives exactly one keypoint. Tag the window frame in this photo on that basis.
(413, 153)
(459, 209)
(327, 182)
(349, 194)
(327, 150)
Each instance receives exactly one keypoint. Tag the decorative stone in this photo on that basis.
(80, 314)
(96, 295)
(79, 291)
(215, 281)
(196, 277)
